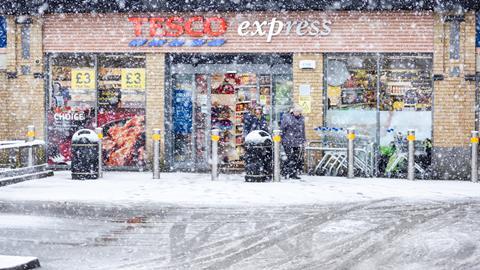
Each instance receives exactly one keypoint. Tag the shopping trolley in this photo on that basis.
(332, 151)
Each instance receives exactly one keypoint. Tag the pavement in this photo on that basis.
(130, 189)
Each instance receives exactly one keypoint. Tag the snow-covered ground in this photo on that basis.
(317, 223)
(379, 234)
(190, 189)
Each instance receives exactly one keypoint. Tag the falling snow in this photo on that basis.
(294, 96)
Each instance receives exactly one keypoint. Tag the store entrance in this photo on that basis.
(219, 94)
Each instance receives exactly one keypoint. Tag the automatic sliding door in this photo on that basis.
(191, 121)
(201, 120)
(223, 88)
(182, 120)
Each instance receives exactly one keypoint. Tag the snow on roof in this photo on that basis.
(108, 6)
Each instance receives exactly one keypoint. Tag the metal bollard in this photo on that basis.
(30, 138)
(99, 132)
(215, 139)
(411, 154)
(474, 140)
(351, 153)
(156, 153)
(276, 155)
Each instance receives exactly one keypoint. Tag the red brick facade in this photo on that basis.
(349, 32)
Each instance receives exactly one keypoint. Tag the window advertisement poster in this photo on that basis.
(306, 103)
(83, 79)
(121, 114)
(3, 32)
(182, 111)
(133, 78)
(71, 108)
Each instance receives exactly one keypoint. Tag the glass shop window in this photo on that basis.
(352, 92)
(352, 82)
(455, 40)
(283, 97)
(121, 109)
(406, 83)
(406, 90)
(71, 103)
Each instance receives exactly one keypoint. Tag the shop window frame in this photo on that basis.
(25, 33)
(454, 49)
(49, 59)
(173, 59)
(379, 57)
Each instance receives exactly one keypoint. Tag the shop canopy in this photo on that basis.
(18, 7)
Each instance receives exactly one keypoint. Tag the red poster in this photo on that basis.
(124, 136)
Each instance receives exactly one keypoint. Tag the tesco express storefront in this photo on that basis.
(189, 72)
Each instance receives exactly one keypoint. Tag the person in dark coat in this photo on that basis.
(254, 120)
(293, 141)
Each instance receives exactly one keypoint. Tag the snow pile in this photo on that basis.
(18, 262)
(127, 188)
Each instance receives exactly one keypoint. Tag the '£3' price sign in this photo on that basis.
(83, 79)
(133, 78)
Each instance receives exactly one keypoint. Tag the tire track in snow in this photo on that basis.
(260, 241)
(356, 248)
(286, 214)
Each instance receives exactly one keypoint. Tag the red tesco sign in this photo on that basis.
(177, 26)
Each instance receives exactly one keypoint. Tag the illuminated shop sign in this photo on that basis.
(274, 27)
(200, 31)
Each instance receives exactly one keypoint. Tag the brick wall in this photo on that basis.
(10, 67)
(350, 32)
(23, 95)
(155, 78)
(454, 99)
(314, 78)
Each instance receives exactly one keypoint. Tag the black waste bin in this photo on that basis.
(258, 156)
(84, 164)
